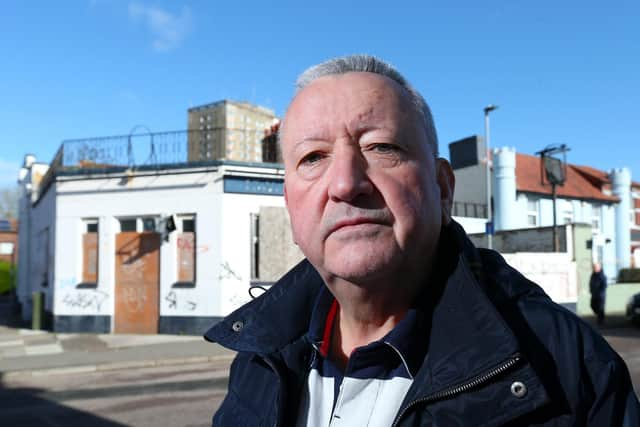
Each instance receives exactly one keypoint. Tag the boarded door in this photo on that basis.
(137, 283)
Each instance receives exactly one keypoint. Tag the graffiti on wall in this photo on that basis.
(228, 273)
(86, 299)
(67, 283)
(135, 298)
(187, 244)
(175, 303)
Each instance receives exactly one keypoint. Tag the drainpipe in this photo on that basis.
(621, 183)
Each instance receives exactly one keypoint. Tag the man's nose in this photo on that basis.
(348, 175)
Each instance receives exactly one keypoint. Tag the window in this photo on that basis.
(567, 212)
(6, 248)
(186, 245)
(532, 213)
(255, 245)
(128, 225)
(188, 225)
(139, 225)
(148, 224)
(90, 252)
(596, 214)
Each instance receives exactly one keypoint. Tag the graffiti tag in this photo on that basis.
(228, 273)
(135, 298)
(187, 244)
(172, 299)
(85, 299)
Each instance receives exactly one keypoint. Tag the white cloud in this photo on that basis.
(168, 30)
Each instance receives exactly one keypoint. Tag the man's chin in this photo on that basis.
(361, 271)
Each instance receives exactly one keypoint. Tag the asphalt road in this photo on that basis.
(167, 396)
(626, 341)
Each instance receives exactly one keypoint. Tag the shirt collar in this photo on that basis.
(408, 338)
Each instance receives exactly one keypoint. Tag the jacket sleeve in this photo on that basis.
(615, 403)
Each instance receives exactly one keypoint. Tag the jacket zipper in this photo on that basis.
(455, 390)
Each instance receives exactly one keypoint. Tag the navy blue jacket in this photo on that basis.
(598, 285)
(500, 352)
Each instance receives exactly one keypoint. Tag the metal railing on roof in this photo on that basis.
(145, 150)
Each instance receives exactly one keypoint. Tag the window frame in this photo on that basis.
(533, 213)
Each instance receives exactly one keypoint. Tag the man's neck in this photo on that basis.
(366, 316)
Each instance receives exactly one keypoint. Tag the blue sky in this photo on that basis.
(561, 71)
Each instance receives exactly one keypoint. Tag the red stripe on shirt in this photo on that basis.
(328, 327)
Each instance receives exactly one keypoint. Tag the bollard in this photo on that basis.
(37, 310)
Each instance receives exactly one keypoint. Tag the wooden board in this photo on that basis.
(186, 257)
(90, 258)
(137, 283)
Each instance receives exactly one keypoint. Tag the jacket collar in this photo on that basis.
(274, 319)
(468, 333)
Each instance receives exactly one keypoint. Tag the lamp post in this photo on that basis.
(489, 108)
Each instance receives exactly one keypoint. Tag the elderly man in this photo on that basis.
(394, 318)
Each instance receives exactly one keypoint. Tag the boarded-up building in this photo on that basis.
(163, 249)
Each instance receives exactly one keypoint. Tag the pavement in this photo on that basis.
(35, 352)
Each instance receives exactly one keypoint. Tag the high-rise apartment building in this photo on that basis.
(228, 130)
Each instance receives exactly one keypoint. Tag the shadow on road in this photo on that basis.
(615, 326)
(25, 407)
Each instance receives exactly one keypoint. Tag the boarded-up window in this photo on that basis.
(90, 253)
(186, 251)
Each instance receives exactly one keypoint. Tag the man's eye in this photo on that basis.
(385, 148)
(311, 158)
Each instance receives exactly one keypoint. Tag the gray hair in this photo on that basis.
(371, 64)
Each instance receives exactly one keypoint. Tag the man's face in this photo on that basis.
(362, 186)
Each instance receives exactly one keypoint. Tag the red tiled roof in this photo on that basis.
(597, 176)
(582, 182)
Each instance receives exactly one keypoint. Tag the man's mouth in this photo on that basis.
(353, 223)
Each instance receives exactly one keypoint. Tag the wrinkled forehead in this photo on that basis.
(358, 97)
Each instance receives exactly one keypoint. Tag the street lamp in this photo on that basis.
(489, 108)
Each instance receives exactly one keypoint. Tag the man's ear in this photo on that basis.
(447, 182)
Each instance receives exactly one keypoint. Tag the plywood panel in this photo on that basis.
(137, 282)
(90, 258)
(186, 257)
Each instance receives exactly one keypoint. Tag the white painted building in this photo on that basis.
(93, 243)
(521, 200)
